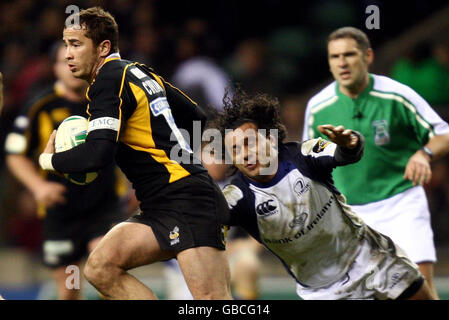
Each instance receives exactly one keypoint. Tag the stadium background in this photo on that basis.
(269, 46)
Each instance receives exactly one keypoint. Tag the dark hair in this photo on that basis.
(240, 108)
(100, 26)
(353, 33)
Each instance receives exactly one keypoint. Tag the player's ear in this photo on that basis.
(104, 48)
(369, 56)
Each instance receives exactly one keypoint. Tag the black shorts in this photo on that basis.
(66, 239)
(188, 213)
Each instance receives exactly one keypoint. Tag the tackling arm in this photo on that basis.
(350, 144)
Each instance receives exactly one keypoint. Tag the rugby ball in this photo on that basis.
(72, 132)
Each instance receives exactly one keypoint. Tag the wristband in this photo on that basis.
(428, 152)
(45, 161)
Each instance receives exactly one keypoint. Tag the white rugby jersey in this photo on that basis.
(299, 215)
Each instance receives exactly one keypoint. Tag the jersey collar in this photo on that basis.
(362, 95)
(112, 56)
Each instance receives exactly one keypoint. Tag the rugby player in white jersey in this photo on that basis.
(284, 196)
(403, 136)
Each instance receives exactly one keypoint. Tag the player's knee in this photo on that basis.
(91, 269)
(98, 270)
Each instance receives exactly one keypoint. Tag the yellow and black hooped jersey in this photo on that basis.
(145, 117)
(29, 136)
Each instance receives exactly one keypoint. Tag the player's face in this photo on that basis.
(252, 153)
(64, 74)
(349, 64)
(81, 54)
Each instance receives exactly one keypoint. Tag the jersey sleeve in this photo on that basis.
(425, 121)
(234, 197)
(243, 214)
(326, 155)
(104, 109)
(105, 116)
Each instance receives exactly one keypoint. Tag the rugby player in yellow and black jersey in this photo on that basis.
(74, 216)
(136, 116)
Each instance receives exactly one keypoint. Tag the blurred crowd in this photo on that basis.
(271, 46)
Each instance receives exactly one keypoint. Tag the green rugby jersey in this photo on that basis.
(395, 121)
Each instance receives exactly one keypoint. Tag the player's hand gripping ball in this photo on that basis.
(72, 132)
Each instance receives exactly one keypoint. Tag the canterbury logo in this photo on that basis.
(266, 208)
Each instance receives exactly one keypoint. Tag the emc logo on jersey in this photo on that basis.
(267, 208)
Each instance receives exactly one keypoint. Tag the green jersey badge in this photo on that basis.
(381, 132)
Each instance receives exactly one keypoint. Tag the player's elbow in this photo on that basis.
(101, 155)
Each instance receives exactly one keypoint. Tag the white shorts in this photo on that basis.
(379, 272)
(405, 218)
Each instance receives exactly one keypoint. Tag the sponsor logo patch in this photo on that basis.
(174, 236)
(158, 105)
(299, 221)
(381, 132)
(301, 187)
(103, 123)
(320, 146)
(267, 208)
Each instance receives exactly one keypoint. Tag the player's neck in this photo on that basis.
(96, 68)
(100, 63)
(354, 91)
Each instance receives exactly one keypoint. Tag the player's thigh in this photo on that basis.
(129, 245)
(206, 271)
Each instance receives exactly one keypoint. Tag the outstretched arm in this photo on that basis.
(350, 144)
(340, 136)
